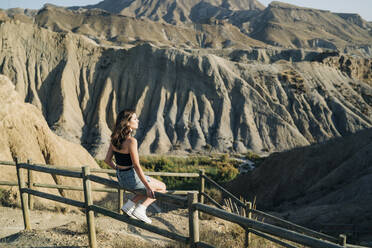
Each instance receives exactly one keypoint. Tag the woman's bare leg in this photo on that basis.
(137, 198)
(156, 185)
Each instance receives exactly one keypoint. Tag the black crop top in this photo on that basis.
(123, 159)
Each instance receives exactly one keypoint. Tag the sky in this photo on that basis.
(362, 7)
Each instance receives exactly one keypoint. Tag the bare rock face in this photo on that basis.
(354, 67)
(24, 134)
(279, 24)
(111, 29)
(186, 99)
(293, 26)
(318, 185)
(180, 11)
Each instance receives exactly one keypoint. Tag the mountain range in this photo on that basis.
(226, 84)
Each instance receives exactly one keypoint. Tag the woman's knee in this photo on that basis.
(159, 185)
(163, 186)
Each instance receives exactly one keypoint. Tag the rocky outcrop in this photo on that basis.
(354, 19)
(280, 24)
(317, 186)
(111, 29)
(18, 14)
(181, 11)
(185, 100)
(24, 134)
(292, 26)
(354, 67)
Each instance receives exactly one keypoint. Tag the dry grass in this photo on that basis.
(232, 235)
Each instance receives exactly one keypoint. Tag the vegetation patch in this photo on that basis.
(220, 167)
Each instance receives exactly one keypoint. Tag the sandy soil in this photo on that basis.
(55, 229)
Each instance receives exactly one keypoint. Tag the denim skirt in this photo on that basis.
(130, 180)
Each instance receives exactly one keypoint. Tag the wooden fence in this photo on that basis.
(286, 230)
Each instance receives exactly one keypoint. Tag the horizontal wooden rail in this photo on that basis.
(170, 174)
(7, 163)
(149, 173)
(272, 239)
(266, 228)
(180, 192)
(51, 170)
(54, 198)
(140, 224)
(68, 168)
(76, 188)
(110, 171)
(98, 170)
(294, 227)
(178, 200)
(7, 183)
(104, 181)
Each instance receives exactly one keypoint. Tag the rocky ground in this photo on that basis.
(56, 229)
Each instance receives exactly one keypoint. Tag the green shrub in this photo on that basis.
(214, 193)
(226, 172)
(102, 164)
(8, 198)
(220, 168)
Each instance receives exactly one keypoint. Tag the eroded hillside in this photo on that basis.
(322, 185)
(280, 24)
(187, 99)
(25, 135)
(127, 31)
(292, 26)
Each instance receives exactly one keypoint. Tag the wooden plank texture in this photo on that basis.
(55, 198)
(140, 224)
(267, 228)
(51, 170)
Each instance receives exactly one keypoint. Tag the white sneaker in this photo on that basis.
(128, 208)
(140, 213)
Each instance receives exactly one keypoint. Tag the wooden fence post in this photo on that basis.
(248, 234)
(342, 240)
(30, 176)
(88, 212)
(24, 201)
(193, 219)
(201, 186)
(120, 200)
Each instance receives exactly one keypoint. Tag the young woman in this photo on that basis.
(128, 169)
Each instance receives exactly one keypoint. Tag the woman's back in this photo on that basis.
(122, 156)
(123, 159)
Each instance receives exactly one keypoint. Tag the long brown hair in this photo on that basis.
(121, 131)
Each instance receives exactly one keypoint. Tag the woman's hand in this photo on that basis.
(150, 193)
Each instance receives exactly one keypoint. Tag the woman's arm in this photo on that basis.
(137, 167)
(108, 159)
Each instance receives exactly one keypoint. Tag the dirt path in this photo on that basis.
(54, 229)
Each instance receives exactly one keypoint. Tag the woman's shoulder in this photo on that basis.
(131, 141)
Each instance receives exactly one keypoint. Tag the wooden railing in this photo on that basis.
(31, 184)
(248, 211)
(287, 230)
